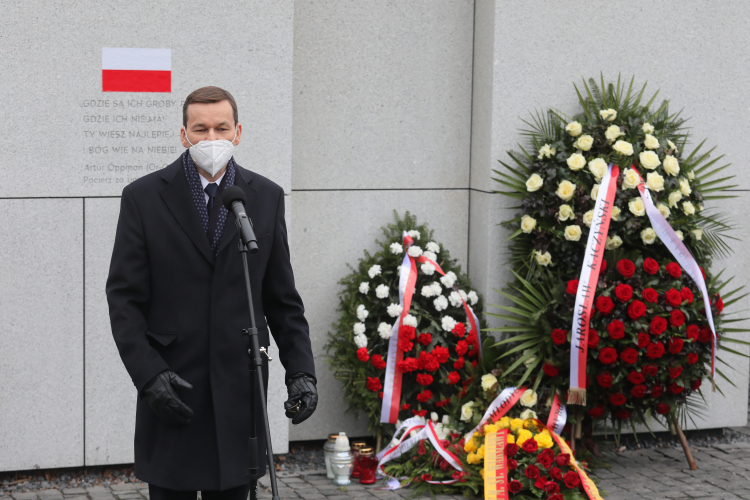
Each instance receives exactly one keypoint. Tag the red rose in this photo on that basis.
(604, 380)
(626, 268)
(692, 358)
(643, 340)
(530, 446)
(622, 414)
(373, 384)
(674, 388)
(650, 370)
(658, 325)
(462, 347)
(629, 355)
(657, 391)
(362, 354)
(596, 412)
(407, 332)
(673, 268)
(555, 473)
(636, 378)
(459, 330)
(428, 362)
(650, 266)
(604, 267)
(663, 408)
(551, 488)
(677, 318)
(547, 453)
(424, 379)
(424, 338)
(419, 413)
(441, 353)
(405, 345)
(704, 337)
(624, 292)
(650, 295)
(572, 287)
(675, 371)
(562, 459)
(377, 362)
(559, 336)
(617, 399)
(512, 464)
(608, 355)
(636, 309)
(458, 364)
(511, 449)
(673, 297)
(655, 350)
(532, 471)
(515, 486)
(675, 345)
(424, 396)
(686, 294)
(593, 340)
(544, 460)
(695, 384)
(550, 371)
(453, 378)
(571, 479)
(616, 329)
(604, 305)
(638, 391)
(719, 304)
(692, 332)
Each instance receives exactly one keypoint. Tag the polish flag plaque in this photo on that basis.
(136, 70)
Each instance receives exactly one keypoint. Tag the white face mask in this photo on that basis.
(211, 156)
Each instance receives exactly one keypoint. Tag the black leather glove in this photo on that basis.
(162, 398)
(303, 397)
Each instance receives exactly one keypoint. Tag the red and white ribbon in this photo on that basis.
(592, 261)
(558, 415)
(498, 408)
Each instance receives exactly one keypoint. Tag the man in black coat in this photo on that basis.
(178, 307)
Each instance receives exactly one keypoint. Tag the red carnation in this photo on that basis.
(405, 345)
(692, 332)
(650, 370)
(650, 295)
(443, 402)
(643, 340)
(532, 471)
(673, 268)
(674, 388)
(677, 318)
(511, 449)
(705, 335)
(407, 332)
(459, 363)
(695, 384)
(441, 353)
(559, 336)
(703, 273)
(638, 391)
(692, 358)
(604, 305)
(424, 338)
(572, 287)
(424, 379)
(719, 304)
(655, 350)
(608, 355)
(636, 378)
(626, 268)
(515, 486)
(624, 292)
(658, 325)
(673, 297)
(405, 406)
(562, 459)
(380, 395)
(650, 266)
(462, 347)
(550, 371)
(657, 391)
(593, 340)
(616, 329)
(419, 413)
(663, 408)
(530, 446)
(459, 330)
(596, 412)
(622, 414)
(636, 309)
(675, 345)
(675, 371)
(424, 396)
(428, 362)
(453, 378)
(377, 362)
(556, 473)
(687, 294)
(571, 479)
(604, 380)
(373, 384)
(629, 355)
(617, 399)
(362, 354)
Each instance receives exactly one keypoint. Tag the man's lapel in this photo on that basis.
(180, 202)
(243, 179)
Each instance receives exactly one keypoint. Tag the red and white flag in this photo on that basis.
(136, 70)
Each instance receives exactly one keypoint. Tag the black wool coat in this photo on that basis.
(175, 305)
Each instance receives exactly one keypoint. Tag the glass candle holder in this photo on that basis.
(356, 445)
(341, 461)
(328, 452)
(367, 464)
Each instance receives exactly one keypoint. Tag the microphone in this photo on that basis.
(234, 199)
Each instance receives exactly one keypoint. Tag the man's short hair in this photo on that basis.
(208, 95)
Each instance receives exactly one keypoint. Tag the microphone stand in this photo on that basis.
(256, 377)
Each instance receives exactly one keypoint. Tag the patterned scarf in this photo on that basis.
(196, 189)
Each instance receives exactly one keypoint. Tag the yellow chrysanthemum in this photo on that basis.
(471, 445)
(504, 423)
(544, 440)
(516, 424)
(511, 439)
(489, 429)
(473, 458)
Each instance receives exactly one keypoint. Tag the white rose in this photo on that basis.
(624, 148)
(543, 259)
(358, 328)
(588, 218)
(565, 213)
(615, 213)
(534, 183)
(362, 313)
(364, 287)
(385, 331)
(528, 413)
(674, 197)
(598, 168)
(576, 161)
(608, 114)
(473, 297)
(574, 129)
(374, 271)
(691, 175)
(595, 191)
(546, 152)
(654, 182)
(432, 247)
(613, 132)
(428, 269)
(440, 303)
(651, 142)
(381, 291)
(671, 165)
(528, 224)
(528, 398)
(530, 360)
(396, 248)
(685, 187)
(697, 234)
(680, 235)
(360, 341)
(664, 210)
(636, 207)
(455, 299)
(429, 255)
(409, 320)
(449, 279)
(699, 207)
(467, 411)
(565, 190)
(448, 323)
(613, 242)
(631, 179)
(583, 143)
(394, 310)
(671, 145)
(488, 381)
(688, 208)
(573, 233)
(649, 160)
(414, 234)
(648, 128)
(648, 236)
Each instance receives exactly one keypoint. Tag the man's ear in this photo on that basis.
(236, 141)
(183, 138)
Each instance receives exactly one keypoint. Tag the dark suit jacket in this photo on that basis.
(174, 305)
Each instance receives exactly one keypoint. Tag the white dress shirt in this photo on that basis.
(205, 182)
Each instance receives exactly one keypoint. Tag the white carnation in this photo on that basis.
(414, 251)
(374, 271)
(448, 323)
(436, 289)
(433, 247)
(427, 291)
(410, 320)
(449, 279)
(362, 313)
(463, 295)
(396, 248)
(360, 341)
(414, 234)
(381, 291)
(394, 310)
(364, 287)
(385, 331)
(440, 303)
(455, 299)
(429, 255)
(428, 269)
(473, 297)
(359, 328)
